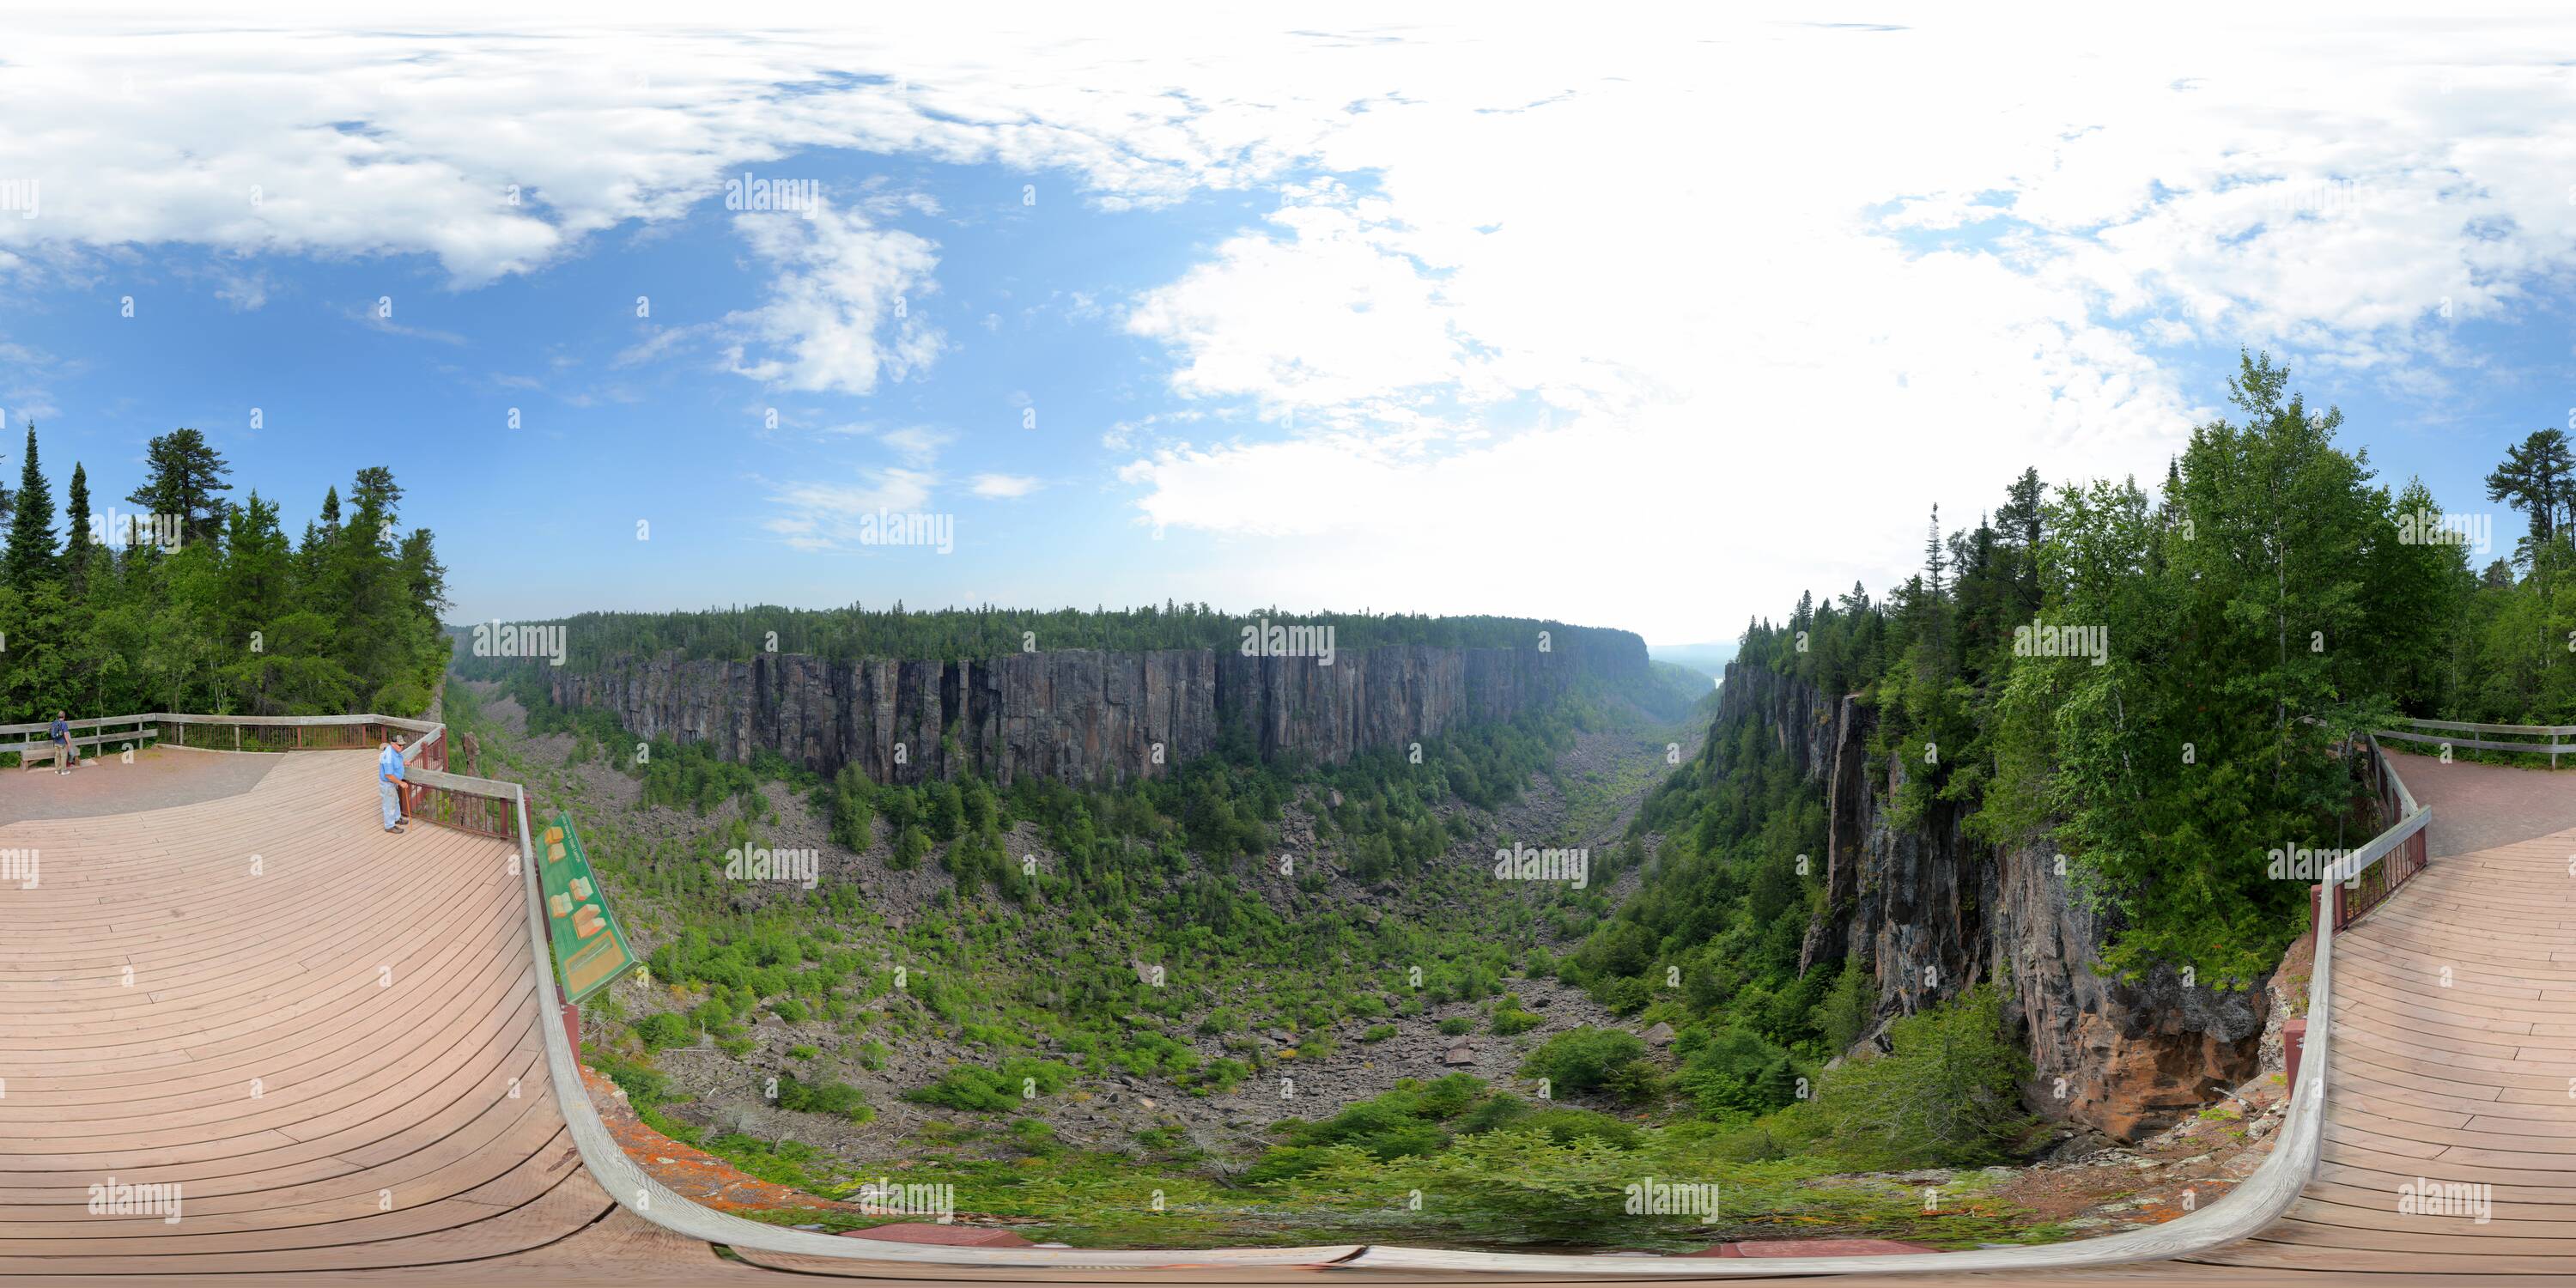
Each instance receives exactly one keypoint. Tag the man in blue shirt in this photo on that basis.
(67, 759)
(389, 778)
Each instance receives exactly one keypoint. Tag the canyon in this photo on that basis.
(1084, 716)
(1931, 911)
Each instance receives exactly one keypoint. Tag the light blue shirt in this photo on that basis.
(390, 761)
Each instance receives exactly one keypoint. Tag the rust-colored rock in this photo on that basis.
(951, 1236)
(1814, 1248)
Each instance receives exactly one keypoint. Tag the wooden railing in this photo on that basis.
(478, 805)
(102, 731)
(482, 806)
(271, 733)
(2374, 872)
(2444, 733)
(2245, 1210)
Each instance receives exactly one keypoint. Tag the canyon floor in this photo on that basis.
(1590, 798)
(2080, 1185)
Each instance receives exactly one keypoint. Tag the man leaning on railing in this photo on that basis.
(389, 778)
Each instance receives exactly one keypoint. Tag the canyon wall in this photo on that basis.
(1084, 716)
(1931, 911)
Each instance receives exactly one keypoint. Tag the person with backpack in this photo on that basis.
(68, 758)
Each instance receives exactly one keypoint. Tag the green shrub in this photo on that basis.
(1947, 1095)
(909, 847)
(1582, 1059)
(1457, 1025)
(1223, 1074)
(1495, 1113)
(664, 1029)
(1564, 1125)
(1509, 1021)
(1378, 1033)
(1626, 996)
(1848, 1011)
(1736, 1070)
(823, 1098)
(994, 1090)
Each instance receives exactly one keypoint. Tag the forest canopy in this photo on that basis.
(193, 601)
(2161, 685)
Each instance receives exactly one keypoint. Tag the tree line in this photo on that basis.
(196, 602)
(959, 634)
(2161, 685)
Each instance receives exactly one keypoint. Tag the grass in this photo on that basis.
(976, 972)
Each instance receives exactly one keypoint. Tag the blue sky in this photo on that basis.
(540, 519)
(1642, 324)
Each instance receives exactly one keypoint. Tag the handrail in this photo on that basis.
(2247, 1209)
(47, 726)
(2554, 731)
(142, 730)
(2552, 748)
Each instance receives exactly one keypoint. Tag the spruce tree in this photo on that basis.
(31, 556)
(76, 541)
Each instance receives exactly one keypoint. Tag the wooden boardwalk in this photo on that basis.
(323, 1035)
(328, 1039)
(2454, 1061)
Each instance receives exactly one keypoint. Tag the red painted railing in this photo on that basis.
(466, 811)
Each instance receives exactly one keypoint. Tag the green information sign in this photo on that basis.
(590, 951)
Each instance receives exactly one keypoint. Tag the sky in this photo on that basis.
(1651, 320)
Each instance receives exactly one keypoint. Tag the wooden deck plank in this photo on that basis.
(405, 1088)
(404, 1119)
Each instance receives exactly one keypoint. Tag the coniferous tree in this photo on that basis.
(183, 476)
(76, 541)
(31, 556)
(222, 624)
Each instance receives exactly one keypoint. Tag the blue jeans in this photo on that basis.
(391, 802)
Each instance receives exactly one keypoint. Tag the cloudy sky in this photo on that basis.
(1638, 322)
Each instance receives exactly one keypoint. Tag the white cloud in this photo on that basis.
(828, 516)
(1632, 321)
(1004, 487)
(839, 309)
(918, 445)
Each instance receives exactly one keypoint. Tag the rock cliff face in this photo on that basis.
(1079, 715)
(1930, 911)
